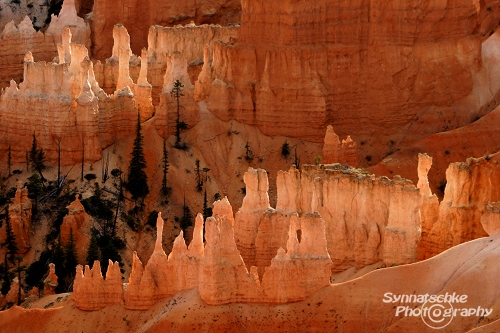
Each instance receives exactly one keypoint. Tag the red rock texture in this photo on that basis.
(62, 101)
(77, 222)
(20, 218)
(50, 283)
(355, 66)
(138, 17)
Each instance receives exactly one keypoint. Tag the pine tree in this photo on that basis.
(58, 260)
(93, 251)
(207, 211)
(9, 160)
(137, 180)
(164, 182)
(7, 278)
(176, 92)
(18, 270)
(35, 188)
(71, 257)
(199, 179)
(37, 158)
(10, 243)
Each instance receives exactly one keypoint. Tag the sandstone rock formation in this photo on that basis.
(63, 101)
(20, 218)
(37, 10)
(357, 69)
(15, 294)
(19, 37)
(466, 195)
(353, 306)
(335, 152)
(328, 213)
(50, 283)
(217, 268)
(367, 219)
(92, 292)
(490, 220)
(429, 211)
(77, 222)
(107, 13)
(172, 53)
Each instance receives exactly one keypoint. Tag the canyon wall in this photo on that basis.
(139, 16)
(353, 65)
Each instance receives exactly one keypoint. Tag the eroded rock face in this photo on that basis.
(20, 218)
(468, 190)
(14, 296)
(349, 64)
(92, 292)
(335, 152)
(367, 219)
(217, 268)
(19, 37)
(77, 222)
(50, 283)
(107, 13)
(62, 102)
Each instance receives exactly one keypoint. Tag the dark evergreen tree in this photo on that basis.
(37, 158)
(7, 277)
(199, 178)
(137, 180)
(9, 160)
(10, 243)
(207, 211)
(19, 270)
(248, 152)
(58, 260)
(285, 149)
(35, 189)
(164, 183)
(71, 257)
(93, 251)
(176, 92)
(109, 251)
(186, 219)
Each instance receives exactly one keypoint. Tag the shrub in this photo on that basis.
(90, 176)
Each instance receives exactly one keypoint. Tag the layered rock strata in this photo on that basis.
(139, 17)
(19, 37)
(275, 255)
(464, 206)
(62, 103)
(367, 219)
(353, 65)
